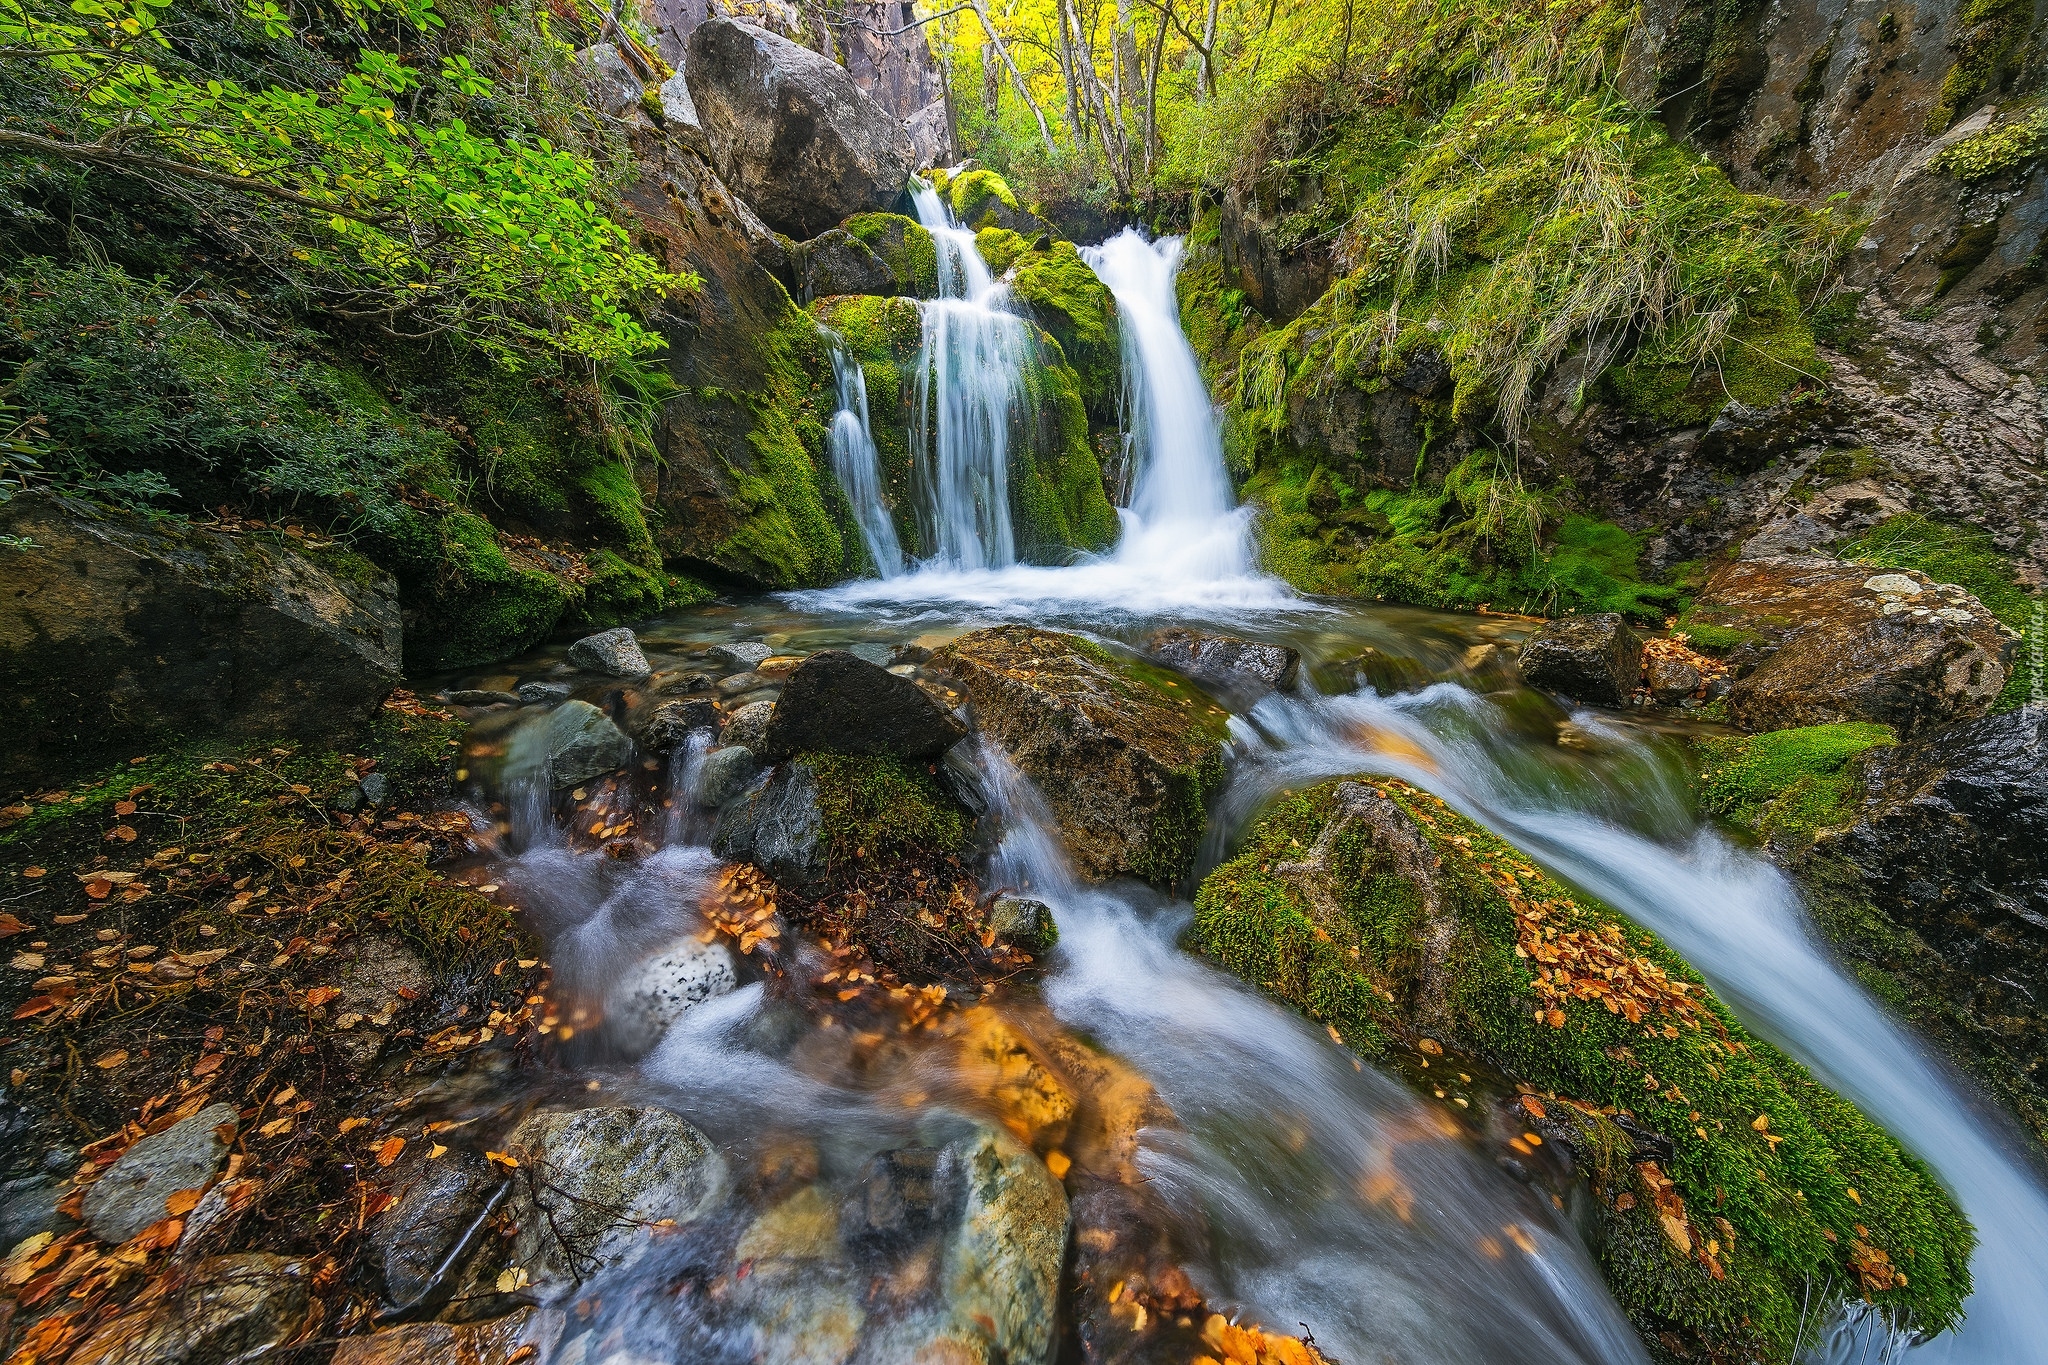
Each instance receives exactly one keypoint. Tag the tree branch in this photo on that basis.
(102, 154)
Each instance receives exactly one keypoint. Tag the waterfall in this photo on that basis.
(859, 469)
(1182, 514)
(970, 392)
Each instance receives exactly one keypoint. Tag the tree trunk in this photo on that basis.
(991, 82)
(988, 26)
(1152, 90)
(1077, 121)
(1209, 48)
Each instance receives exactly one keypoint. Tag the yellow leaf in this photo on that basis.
(112, 1059)
(1761, 1122)
(350, 1125)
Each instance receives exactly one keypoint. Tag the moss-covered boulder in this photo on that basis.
(1730, 1187)
(903, 247)
(1066, 298)
(1125, 753)
(1057, 501)
(1788, 784)
(979, 198)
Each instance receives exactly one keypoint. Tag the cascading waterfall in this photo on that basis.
(1733, 917)
(970, 394)
(855, 462)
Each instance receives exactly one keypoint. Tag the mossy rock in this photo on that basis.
(981, 199)
(1127, 754)
(1793, 783)
(904, 248)
(1376, 909)
(883, 336)
(1077, 309)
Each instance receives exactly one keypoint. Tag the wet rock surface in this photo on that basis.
(226, 1308)
(790, 131)
(592, 1181)
(1592, 658)
(658, 991)
(776, 826)
(1952, 844)
(157, 630)
(1231, 664)
(1126, 758)
(496, 1341)
(440, 1203)
(671, 722)
(379, 977)
(1821, 641)
(837, 262)
(839, 703)
(184, 1156)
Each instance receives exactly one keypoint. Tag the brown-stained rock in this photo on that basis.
(1826, 641)
(838, 703)
(119, 633)
(1593, 658)
(1125, 756)
(492, 1342)
(1231, 664)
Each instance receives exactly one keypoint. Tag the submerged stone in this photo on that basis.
(839, 703)
(1594, 659)
(222, 1309)
(660, 990)
(726, 772)
(570, 744)
(1721, 1172)
(1126, 755)
(1230, 663)
(747, 724)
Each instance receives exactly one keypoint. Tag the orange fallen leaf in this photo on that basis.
(320, 995)
(510, 1163)
(10, 926)
(388, 1150)
(125, 833)
(124, 808)
(112, 1059)
(99, 888)
(183, 1202)
(350, 1125)
(209, 1064)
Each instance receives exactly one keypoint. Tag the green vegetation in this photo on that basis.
(1787, 782)
(1989, 36)
(975, 195)
(1560, 992)
(1479, 537)
(1967, 557)
(901, 244)
(2006, 147)
(876, 811)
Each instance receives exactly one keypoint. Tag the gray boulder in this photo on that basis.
(776, 826)
(120, 633)
(790, 132)
(541, 693)
(1023, 923)
(748, 725)
(615, 652)
(1671, 681)
(615, 86)
(672, 722)
(838, 703)
(726, 772)
(837, 262)
(1594, 659)
(184, 1156)
(591, 1181)
(745, 654)
(570, 744)
(439, 1204)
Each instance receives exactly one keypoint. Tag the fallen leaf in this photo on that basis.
(99, 888)
(209, 1064)
(124, 808)
(510, 1163)
(125, 833)
(276, 1126)
(27, 962)
(10, 926)
(388, 1150)
(183, 1202)
(320, 995)
(1059, 1164)
(1761, 1122)
(350, 1125)
(436, 1152)
(112, 1059)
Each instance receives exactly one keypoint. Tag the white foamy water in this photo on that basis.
(851, 443)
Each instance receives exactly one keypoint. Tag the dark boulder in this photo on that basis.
(1952, 844)
(1235, 665)
(119, 634)
(1588, 658)
(837, 262)
(671, 722)
(838, 703)
(790, 132)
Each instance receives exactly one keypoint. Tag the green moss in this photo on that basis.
(880, 810)
(1966, 556)
(1000, 248)
(903, 245)
(1789, 782)
(1989, 36)
(1345, 945)
(884, 337)
(1479, 537)
(794, 529)
(2007, 147)
(974, 194)
(474, 604)
(1070, 302)
(1057, 503)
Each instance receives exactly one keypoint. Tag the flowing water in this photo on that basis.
(1303, 1187)
(857, 466)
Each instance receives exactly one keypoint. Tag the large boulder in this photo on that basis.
(1227, 662)
(1817, 641)
(1592, 658)
(837, 262)
(119, 633)
(1125, 754)
(1952, 844)
(790, 131)
(570, 744)
(839, 703)
(592, 1182)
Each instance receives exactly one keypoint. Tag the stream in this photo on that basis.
(1307, 1191)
